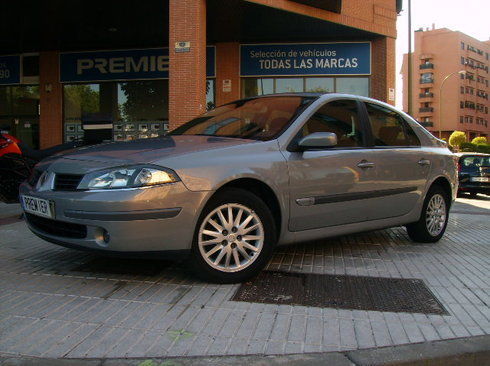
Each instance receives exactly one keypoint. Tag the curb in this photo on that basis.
(474, 351)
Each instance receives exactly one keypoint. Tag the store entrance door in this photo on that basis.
(19, 113)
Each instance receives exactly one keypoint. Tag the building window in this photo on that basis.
(462, 90)
(462, 45)
(210, 94)
(462, 60)
(461, 76)
(19, 113)
(137, 109)
(427, 77)
(461, 104)
(461, 119)
(261, 86)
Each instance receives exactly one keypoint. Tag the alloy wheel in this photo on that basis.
(231, 237)
(435, 217)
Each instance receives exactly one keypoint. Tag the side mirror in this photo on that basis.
(318, 140)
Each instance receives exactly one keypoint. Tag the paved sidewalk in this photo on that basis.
(50, 306)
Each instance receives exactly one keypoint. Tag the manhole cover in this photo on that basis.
(344, 292)
(120, 266)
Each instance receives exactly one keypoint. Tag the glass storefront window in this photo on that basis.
(210, 94)
(137, 109)
(319, 85)
(19, 113)
(253, 87)
(260, 86)
(289, 85)
(357, 86)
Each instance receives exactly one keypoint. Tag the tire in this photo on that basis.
(220, 253)
(424, 230)
(473, 194)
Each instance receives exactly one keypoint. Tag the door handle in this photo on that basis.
(423, 162)
(365, 164)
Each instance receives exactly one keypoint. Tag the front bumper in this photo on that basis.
(154, 219)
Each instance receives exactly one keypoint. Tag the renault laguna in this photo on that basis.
(231, 184)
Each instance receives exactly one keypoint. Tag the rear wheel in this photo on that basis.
(234, 237)
(433, 219)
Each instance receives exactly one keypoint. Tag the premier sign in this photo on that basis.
(120, 65)
(349, 58)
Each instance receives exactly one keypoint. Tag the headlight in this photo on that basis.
(128, 177)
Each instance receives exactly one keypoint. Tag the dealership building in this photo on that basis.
(143, 67)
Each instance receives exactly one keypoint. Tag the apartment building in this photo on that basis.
(450, 82)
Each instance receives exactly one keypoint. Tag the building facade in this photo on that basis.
(450, 83)
(149, 67)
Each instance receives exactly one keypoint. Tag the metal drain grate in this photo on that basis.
(124, 266)
(344, 292)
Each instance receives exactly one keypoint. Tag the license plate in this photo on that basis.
(38, 206)
(480, 179)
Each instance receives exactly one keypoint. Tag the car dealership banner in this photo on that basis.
(9, 69)
(349, 58)
(150, 63)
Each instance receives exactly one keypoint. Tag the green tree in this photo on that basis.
(479, 140)
(457, 138)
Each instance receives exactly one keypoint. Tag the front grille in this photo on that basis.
(67, 182)
(35, 175)
(57, 228)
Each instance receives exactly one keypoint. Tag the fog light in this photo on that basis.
(106, 236)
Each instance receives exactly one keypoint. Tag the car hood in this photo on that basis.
(150, 150)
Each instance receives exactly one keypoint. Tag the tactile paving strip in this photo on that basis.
(339, 291)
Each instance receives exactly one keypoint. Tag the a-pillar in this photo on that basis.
(50, 100)
(383, 69)
(187, 69)
(228, 72)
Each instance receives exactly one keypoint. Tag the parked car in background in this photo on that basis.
(228, 186)
(474, 173)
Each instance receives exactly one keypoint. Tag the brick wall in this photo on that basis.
(228, 68)
(51, 105)
(187, 82)
(383, 68)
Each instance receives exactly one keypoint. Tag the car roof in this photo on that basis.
(460, 154)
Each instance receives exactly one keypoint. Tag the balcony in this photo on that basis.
(426, 109)
(426, 66)
(427, 124)
(426, 95)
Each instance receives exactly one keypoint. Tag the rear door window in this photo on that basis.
(389, 128)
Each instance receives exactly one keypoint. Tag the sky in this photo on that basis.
(471, 17)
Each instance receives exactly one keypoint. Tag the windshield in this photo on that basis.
(258, 119)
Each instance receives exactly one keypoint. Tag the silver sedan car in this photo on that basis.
(230, 185)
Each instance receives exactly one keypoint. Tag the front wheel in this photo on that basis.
(234, 237)
(433, 219)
